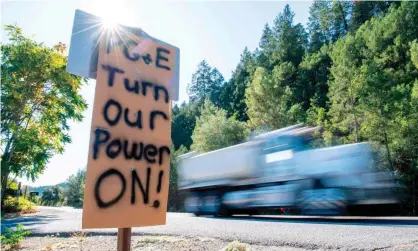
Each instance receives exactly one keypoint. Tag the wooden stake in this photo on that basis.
(124, 239)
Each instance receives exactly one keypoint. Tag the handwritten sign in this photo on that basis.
(129, 157)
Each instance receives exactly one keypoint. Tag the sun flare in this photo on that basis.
(112, 13)
(109, 23)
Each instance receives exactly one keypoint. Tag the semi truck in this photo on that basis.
(281, 170)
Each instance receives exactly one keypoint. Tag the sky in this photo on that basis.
(215, 31)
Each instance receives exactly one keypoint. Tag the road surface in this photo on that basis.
(360, 233)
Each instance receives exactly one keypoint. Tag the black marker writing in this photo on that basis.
(135, 85)
(113, 148)
(153, 116)
(112, 103)
(144, 191)
(160, 179)
(150, 153)
(101, 136)
(161, 153)
(146, 85)
(147, 59)
(139, 151)
(160, 57)
(110, 172)
(137, 123)
(112, 70)
(133, 153)
(134, 88)
(157, 89)
(134, 56)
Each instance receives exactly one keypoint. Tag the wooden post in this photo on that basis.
(124, 239)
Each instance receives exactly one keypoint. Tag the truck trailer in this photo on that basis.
(281, 170)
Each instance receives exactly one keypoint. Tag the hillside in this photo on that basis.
(40, 189)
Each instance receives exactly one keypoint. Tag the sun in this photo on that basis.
(109, 23)
(112, 13)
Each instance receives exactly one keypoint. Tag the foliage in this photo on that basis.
(35, 199)
(214, 130)
(11, 185)
(233, 92)
(53, 196)
(12, 238)
(18, 205)
(74, 193)
(183, 121)
(206, 83)
(38, 99)
(352, 72)
(174, 198)
(269, 98)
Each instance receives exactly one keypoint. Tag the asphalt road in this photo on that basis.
(360, 233)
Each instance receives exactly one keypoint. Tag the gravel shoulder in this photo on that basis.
(147, 242)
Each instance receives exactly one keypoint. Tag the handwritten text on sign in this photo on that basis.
(129, 155)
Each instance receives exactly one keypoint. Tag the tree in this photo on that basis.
(363, 11)
(373, 74)
(318, 25)
(214, 130)
(233, 93)
(270, 99)
(328, 21)
(206, 83)
(291, 40)
(344, 90)
(74, 193)
(174, 198)
(312, 79)
(52, 196)
(266, 45)
(183, 121)
(38, 99)
(339, 18)
(414, 52)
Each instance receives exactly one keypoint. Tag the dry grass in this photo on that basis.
(236, 246)
(150, 240)
(81, 235)
(29, 210)
(48, 247)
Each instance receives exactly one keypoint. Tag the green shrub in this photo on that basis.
(12, 238)
(236, 246)
(35, 199)
(22, 205)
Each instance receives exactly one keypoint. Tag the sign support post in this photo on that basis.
(124, 239)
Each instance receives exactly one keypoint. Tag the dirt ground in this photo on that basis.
(81, 242)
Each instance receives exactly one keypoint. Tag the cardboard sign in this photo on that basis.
(129, 156)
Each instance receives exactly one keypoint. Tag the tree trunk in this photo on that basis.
(356, 127)
(4, 187)
(343, 17)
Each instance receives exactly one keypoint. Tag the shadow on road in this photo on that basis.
(27, 221)
(326, 220)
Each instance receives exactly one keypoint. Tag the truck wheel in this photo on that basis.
(221, 209)
(326, 201)
(193, 204)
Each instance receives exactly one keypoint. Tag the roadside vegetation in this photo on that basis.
(353, 70)
(237, 246)
(12, 238)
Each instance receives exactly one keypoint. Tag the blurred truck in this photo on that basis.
(280, 170)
